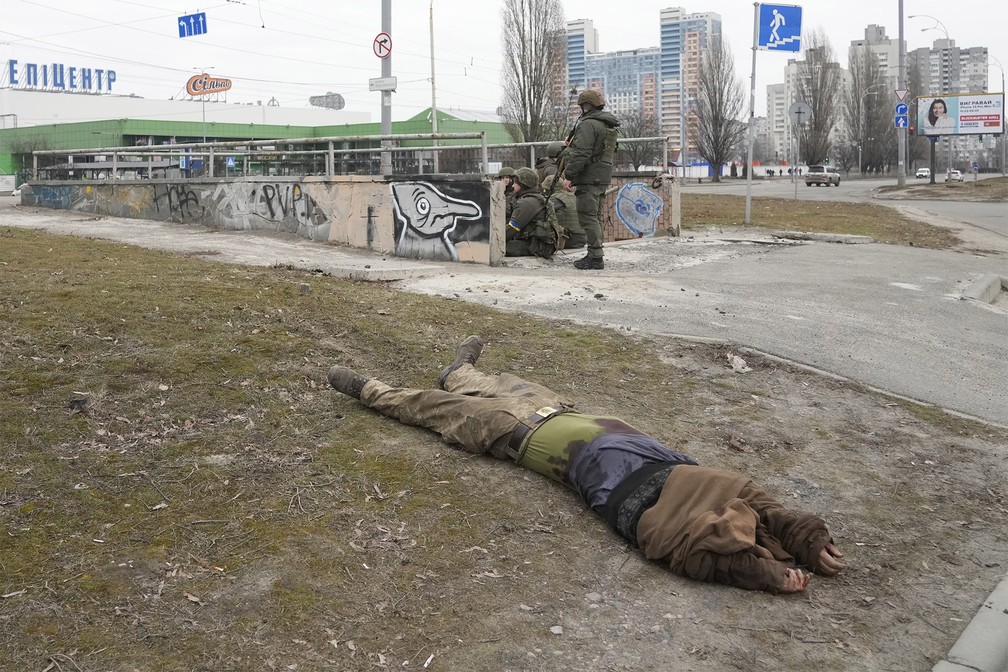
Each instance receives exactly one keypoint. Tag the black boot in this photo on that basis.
(468, 352)
(589, 263)
(347, 381)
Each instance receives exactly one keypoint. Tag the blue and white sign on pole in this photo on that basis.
(902, 109)
(779, 28)
(192, 24)
(229, 162)
(900, 121)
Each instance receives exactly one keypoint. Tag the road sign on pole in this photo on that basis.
(902, 109)
(382, 45)
(779, 28)
(192, 24)
(900, 121)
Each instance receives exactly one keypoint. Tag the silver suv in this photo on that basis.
(818, 175)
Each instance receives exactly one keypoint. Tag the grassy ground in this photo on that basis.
(173, 461)
(863, 219)
(180, 489)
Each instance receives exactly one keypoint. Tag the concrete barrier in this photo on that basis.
(436, 218)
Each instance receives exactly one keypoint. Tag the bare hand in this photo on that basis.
(795, 581)
(829, 560)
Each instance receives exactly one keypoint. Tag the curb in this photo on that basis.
(986, 288)
(982, 646)
(846, 238)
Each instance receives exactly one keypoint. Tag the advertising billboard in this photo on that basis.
(960, 114)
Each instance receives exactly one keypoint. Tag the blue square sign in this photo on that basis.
(779, 27)
(192, 24)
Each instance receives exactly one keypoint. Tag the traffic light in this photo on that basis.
(826, 161)
(912, 128)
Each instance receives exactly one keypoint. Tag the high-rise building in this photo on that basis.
(582, 41)
(629, 79)
(947, 69)
(885, 50)
(777, 120)
(683, 38)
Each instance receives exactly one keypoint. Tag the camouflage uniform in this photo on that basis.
(565, 205)
(589, 165)
(506, 177)
(529, 207)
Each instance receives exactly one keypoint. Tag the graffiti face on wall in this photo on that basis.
(638, 207)
(427, 218)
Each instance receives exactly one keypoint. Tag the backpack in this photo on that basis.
(544, 233)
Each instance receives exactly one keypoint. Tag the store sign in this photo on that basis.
(59, 77)
(204, 85)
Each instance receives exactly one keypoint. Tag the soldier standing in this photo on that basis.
(589, 165)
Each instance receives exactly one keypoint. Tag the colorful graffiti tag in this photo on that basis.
(427, 220)
(639, 208)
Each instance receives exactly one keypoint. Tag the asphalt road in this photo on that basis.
(891, 317)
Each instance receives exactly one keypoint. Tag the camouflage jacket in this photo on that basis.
(590, 154)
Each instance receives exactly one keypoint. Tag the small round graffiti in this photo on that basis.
(639, 208)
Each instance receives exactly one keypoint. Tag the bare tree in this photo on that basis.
(819, 85)
(533, 44)
(719, 106)
(639, 124)
(864, 111)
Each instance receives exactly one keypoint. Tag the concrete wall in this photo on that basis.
(443, 218)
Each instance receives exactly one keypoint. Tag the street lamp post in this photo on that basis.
(948, 45)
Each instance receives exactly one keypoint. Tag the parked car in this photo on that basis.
(954, 176)
(820, 175)
(924, 173)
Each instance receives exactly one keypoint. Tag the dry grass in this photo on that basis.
(864, 219)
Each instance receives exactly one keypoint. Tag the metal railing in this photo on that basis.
(324, 156)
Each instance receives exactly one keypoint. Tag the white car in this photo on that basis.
(954, 176)
(923, 173)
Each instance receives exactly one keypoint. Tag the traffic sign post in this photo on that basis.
(192, 24)
(775, 28)
(901, 121)
(902, 109)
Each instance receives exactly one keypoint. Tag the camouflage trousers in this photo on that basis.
(589, 210)
(475, 410)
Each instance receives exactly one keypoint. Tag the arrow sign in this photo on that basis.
(902, 109)
(901, 94)
(382, 45)
(192, 24)
(900, 121)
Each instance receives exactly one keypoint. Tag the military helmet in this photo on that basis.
(554, 149)
(506, 171)
(592, 97)
(527, 178)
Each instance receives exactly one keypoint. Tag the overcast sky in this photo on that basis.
(289, 50)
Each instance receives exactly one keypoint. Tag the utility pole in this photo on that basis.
(386, 96)
(1003, 138)
(901, 133)
(433, 95)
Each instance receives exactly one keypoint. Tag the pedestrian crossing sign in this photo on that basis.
(779, 27)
